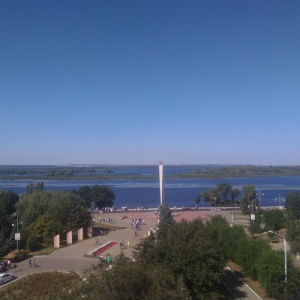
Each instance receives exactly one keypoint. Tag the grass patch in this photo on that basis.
(108, 227)
(48, 285)
(45, 251)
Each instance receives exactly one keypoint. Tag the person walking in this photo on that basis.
(29, 263)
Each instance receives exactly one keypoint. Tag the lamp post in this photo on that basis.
(285, 254)
(17, 234)
(279, 200)
(259, 197)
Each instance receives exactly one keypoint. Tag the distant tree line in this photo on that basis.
(244, 170)
(205, 171)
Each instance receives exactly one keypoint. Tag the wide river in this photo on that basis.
(178, 192)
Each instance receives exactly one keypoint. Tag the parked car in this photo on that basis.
(6, 277)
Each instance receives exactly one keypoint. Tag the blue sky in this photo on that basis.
(136, 82)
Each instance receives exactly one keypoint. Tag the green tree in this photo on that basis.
(292, 204)
(165, 220)
(249, 202)
(8, 201)
(68, 209)
(197, 200)
(293, 235)
(274, 219)
(255, 225)
(33, 205)
(189, 250)
(226, 192)
(37, 187)
(222, 195)
(271, 274)
(129, 280)
(100, 195)
(32, 243)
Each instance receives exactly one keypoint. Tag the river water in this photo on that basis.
(178, 192)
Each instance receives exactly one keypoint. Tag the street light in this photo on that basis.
(259, 197)
(279, 200)
(285, 253)
(17, 234)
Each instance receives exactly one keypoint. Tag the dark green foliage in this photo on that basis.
(32, 243)
(222, 195)
(293, 235)
(188, 250)
(129, 280)
(274, 219)
(258, 260)
(37, 187)
(255, 248)
(100, 195)
(271, 275)
(51, 213)
(165, 220)
(255, 225)
(249, 202)
(292, 204)
(8, 201)
(33, 205)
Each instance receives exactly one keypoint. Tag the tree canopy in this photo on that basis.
(8, 202)
(189, 251)
(292, 204)
(249, 202)
(222, 195)
(100, 195)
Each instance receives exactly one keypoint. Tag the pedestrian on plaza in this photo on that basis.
(29, 263)
(33, 265)
(128, 244)
(15, 268)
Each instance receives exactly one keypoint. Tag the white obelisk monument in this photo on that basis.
(161, 183)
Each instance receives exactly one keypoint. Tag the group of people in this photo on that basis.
(137, 223)
(110, 220)
(31, 263)
(5, 264)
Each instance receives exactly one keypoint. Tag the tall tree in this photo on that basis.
(165, 220)
(249, 202)
(100, 195)
(274, 219)
(129, 280)
(292, 204)
(222, 195)
(197, 200)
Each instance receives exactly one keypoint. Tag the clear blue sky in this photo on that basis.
(136, 82)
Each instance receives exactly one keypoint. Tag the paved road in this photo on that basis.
(237, 287)
(71, 258)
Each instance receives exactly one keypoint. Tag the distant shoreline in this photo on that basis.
(140, 172)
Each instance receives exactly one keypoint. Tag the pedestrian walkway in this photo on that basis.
(72, 258)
